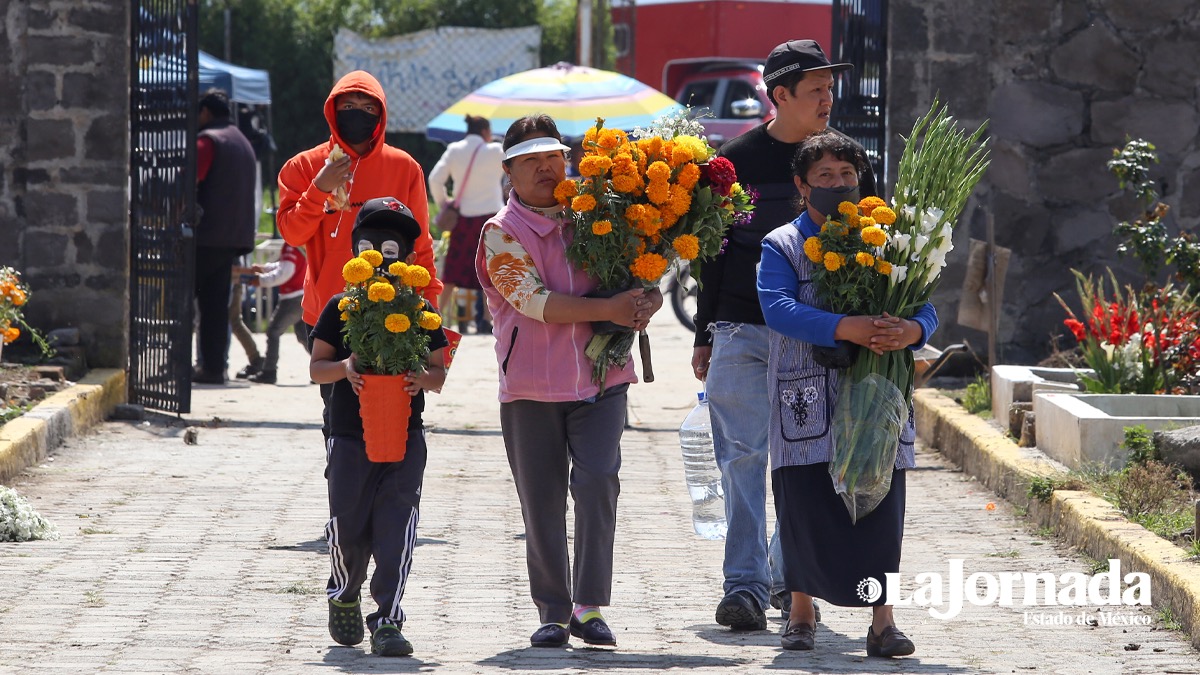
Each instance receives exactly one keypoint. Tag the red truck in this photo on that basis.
(709, 53)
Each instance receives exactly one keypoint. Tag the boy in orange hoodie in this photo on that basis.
(308, 215)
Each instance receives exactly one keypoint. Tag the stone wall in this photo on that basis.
(1063, 82)
(64, 165)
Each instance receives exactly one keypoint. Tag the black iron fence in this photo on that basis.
(859, 108)
(162, 204)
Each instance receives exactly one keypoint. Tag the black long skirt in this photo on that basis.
(824, 554)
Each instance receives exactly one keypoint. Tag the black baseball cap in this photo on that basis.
(388, 213)
(798, 55)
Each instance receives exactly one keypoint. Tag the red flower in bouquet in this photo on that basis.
(720, 175)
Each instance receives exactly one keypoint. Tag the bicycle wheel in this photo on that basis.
(683, 300)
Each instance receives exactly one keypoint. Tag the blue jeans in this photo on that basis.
(737, 400)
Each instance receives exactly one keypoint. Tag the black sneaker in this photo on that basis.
(345, 622)
(388, 641)
(255, 366)
(263, 377)
(740, 611)
(550, 635)
(594, 632)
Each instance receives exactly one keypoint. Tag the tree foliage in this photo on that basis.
(293, 40)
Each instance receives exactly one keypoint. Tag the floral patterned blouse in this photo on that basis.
(513, 273)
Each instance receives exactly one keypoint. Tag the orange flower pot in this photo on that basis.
(385, 407)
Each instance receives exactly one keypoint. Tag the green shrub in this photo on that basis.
(1139, 441)
(1042, 488)
(978, 397)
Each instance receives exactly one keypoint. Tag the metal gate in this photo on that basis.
(860, 106)
(162, 205)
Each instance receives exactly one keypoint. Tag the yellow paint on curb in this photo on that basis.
(1081, 519)
(25, 441)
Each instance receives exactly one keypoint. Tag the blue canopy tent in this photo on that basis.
(245, 85)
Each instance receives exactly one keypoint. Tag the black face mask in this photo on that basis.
(356, 126)
(825, 200)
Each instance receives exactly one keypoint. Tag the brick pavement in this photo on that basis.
(208, 559)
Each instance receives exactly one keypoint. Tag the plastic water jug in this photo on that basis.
(701, 472)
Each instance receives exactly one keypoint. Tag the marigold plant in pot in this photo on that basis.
(382, 310)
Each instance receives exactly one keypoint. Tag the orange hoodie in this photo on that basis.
(384, 171)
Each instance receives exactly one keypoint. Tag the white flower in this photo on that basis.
(937, 259)
(898, 274)
(899, 243)
(18, 520)
(930, 219)
(909, 212)
(920, 242)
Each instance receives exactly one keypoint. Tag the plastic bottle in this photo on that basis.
(701, 472)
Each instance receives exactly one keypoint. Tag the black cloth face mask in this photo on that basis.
(356, 126)
(825, 200)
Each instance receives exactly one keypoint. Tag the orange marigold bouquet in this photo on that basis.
(14, 294)
(642, 205)
(381, 309)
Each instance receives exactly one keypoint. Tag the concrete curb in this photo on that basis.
(1082, 520)
(25, 441)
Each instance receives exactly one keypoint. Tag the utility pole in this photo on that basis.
(228, 31)
(583, 52)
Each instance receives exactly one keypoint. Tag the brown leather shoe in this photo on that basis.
(889, 642)
(798, 637)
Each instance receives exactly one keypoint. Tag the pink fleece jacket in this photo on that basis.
(542, 361)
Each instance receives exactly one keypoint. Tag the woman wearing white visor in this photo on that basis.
(561, 435)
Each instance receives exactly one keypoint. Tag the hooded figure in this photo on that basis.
(308, 215)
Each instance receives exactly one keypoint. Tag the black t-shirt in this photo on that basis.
(729, 282)
(341, 402)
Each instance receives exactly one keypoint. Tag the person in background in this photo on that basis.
(310, 186)
(241, 277)
(731, 343)
(825, 553)
(225, 167)
(474, 165)
(287, 274)
(562, 435)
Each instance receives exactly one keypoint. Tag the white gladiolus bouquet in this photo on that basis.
(940, 166)
(18, 520)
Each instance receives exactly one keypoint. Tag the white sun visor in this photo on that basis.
(539, 144)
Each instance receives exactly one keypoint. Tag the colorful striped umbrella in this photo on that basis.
(573, 95)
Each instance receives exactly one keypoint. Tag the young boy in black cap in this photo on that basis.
(731, 346)
(373, 507)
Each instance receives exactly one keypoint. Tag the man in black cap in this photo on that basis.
(732, 344)
(373, 506)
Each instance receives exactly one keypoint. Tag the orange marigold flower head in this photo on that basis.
(874, 236)
(649, 267)
(601, 227)
(812, 249)
(417, 276)
(883, 267)
(680, 200)
(687, 246)
(668, 219)
(397, 323)
(697, 148)
(624, 183)
(832, 261)
(658, 191)
(883, 215)
(866, 221)
(635, 212)
(11, 334)
(651, 146)
(583, 203)
(565, 190)
(356, 270)
(864, 259)
(688, 176)
(589, 136)
(609, 139)
(868, 204)
(658, 172)
(847, 208)
(430, 321)
(594, 166)
(372, 256)
(680, 155)
(381, 292)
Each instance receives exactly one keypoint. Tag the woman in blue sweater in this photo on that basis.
(825, 554)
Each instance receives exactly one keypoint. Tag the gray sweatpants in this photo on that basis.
(373, 513)
(553, 448)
